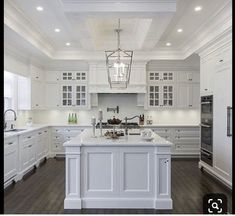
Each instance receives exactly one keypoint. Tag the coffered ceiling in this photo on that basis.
(88, 25)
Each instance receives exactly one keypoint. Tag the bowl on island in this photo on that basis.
(114, 121)
(147, 135)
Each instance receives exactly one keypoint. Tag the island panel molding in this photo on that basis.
(124, 173)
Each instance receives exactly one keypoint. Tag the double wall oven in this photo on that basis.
(207, 129)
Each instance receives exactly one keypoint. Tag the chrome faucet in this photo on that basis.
(5, 123)
(126, 129)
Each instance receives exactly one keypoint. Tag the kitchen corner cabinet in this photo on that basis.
(161, 95)
(52, 96)
(11, 152)
(74, 95)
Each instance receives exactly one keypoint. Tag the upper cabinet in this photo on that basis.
(173, 89)
(73, 75)
(164, 76)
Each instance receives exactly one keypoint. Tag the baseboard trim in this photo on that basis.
(215, 175)
(131, 203)
(72, 203)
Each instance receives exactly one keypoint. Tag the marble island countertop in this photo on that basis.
(86, 139)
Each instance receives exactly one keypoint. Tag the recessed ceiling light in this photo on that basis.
(39, 8)
(168, 44)
(57, 30)
(68, 44)
(179, 30)
(198, 8)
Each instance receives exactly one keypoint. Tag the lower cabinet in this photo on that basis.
(27, 151)
(186, 140)
(10, 158)
(59, 135)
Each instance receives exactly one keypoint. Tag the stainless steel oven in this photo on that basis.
(207, 129)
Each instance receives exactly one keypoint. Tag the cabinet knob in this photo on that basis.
(29, 146)
(205, 89)
(57, 105)
(10, 143)
(29, 137)
(221, 60)
(37, 77)
(190, 105)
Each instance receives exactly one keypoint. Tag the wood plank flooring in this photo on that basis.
(42, 191)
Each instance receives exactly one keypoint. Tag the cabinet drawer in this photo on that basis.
(162, 130)
(57, 146)
(26, 137)
(57, 138)
(187, 147)
(57, 130)
(10, 142)
(187, 140)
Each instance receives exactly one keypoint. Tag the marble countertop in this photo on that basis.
(171, 125)
(86, 139)
(35, 127)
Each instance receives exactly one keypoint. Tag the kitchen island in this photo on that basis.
(122, 173)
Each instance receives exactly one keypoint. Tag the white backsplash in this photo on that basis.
(127, 107)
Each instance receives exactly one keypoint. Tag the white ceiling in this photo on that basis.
(89, 25)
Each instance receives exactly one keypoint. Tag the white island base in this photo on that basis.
(123, 173)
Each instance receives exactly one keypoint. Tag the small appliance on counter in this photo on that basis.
(149, 120)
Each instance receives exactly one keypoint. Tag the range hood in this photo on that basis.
(98, 79)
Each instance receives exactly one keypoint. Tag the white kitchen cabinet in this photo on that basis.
(40, 145)
(188, 76)
(73, 75)
(37, 94)
(36, 73)
(11, 152)
(52, 76)
(222, 128)
(27, 145)
(206, 76)
(163, 76)
(52, 96)
(30, 94)
(46, 141)
(188, 95)
(186, 140)
(161, 95)
(59, 135)
(74, 95)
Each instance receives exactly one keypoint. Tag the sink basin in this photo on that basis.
(15, 130)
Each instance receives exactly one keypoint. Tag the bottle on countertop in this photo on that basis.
(75, 119)
(69, 119)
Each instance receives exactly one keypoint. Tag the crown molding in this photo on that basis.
(18, 22)
(216, 26)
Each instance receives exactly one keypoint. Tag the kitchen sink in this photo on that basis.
(15, 130)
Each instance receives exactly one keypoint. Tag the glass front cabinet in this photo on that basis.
(161, 95)
(74, 95)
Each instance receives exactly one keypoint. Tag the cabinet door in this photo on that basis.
(27, 151)
(67, 76)
(182, 95)
(80, 95)
(52, 95)
(46, 141)
(67, 95)
(153, 76)
(37, 93)
(52, 76)
(188, 76)
(167, 76)
(80, 76)
(40, 145)
(10, 159)
(167, 96)
(222, 142)
(206, 76)
(154, 96)
(194, 95)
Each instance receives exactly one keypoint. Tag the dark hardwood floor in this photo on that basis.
(42, 191)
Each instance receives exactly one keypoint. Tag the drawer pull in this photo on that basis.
(45, 131)
(29, 137)
(39, 133)
(10, 143)
(30, 146)
(221, 60)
